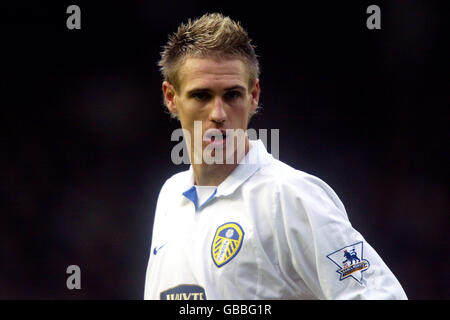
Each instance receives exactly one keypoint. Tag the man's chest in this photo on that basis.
(213, 248)
(207, 239)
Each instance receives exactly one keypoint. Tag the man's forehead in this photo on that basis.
(208, 71)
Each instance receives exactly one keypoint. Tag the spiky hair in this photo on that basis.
(212, 35)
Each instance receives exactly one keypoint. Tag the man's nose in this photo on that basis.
(218, 114)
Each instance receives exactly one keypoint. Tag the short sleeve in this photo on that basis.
(323, 249)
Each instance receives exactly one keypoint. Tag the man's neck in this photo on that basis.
(214, 174)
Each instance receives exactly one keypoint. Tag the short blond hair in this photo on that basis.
(212, 35)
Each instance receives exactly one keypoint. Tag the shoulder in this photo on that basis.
(171, 187)
(297, 187)
(283, 177)
(175, 183)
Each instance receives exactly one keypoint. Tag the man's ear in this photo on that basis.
(254, 92)
(169, 97)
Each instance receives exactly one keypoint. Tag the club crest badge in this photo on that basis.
(350, 261)
(226, 243)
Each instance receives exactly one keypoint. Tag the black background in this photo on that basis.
(86, 139)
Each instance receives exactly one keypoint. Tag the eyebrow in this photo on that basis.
(236, 87)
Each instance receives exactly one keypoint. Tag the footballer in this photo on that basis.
(246, 225)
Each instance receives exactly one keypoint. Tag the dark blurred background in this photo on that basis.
(86, 140)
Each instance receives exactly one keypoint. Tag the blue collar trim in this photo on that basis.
(191, 194)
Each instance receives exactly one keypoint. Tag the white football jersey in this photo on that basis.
(267, 232)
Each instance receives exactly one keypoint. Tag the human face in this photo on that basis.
(214, 92)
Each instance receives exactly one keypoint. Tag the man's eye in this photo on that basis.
(201, 96)
(232, 95)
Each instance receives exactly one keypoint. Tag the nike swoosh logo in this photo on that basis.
(155, 251)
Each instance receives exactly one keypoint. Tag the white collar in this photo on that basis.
(253, 160)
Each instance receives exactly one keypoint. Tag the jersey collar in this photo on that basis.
(253, 160)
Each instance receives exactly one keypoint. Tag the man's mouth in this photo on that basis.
(216, 136)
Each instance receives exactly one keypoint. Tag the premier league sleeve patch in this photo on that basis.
(350, 261)
(226, 243)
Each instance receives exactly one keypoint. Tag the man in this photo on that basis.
(245, 226)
